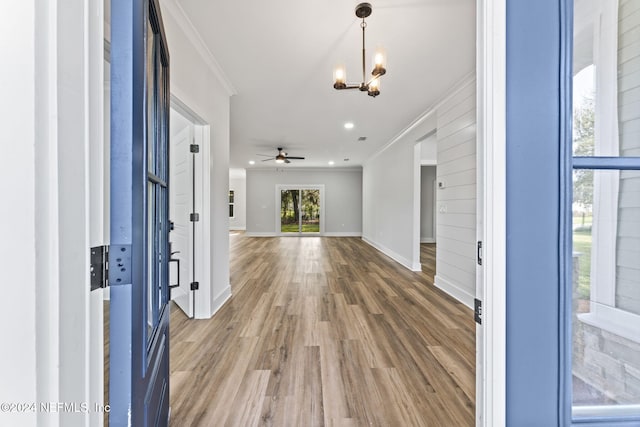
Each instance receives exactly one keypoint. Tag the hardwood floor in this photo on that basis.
(324, 331)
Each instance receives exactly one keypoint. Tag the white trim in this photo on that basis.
(454, 290)
(342, 234)
(428, 163)
(260, 234)
(417, 185)
(203, 238)
(394, 255)
(233, 228)
(614, 320)
(605, 411)
(427, 240)
(220, 300)
(185, 24)
(491, 82)
(463, 83)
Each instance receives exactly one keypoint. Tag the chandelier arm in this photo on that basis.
(350, 86)
(363, 25)
(375, 77)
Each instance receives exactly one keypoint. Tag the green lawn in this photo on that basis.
(582, 222)
(582, 244)
(306, 228)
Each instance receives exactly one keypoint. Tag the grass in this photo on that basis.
(306, 228)
(582, 244)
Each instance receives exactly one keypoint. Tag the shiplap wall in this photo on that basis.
(628, 245)
(456, 195)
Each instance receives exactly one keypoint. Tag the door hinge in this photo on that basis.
(195, 286)
(477, 311)
(194, 148)
(194, 217)
(99, 267)
(479, 253)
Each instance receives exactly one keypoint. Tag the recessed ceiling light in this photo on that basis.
(348, 125)
(251, 162)
(331, 162)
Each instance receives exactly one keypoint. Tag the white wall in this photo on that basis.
(456, 194)
(17, 210)
(343, 198)
(427, 204)
(388, 203)
(429, 149)
(238, 183)
(391, 195)
(199, 85)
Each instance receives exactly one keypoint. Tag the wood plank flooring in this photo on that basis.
(324, 332)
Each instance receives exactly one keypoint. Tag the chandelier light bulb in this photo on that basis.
(339, 77)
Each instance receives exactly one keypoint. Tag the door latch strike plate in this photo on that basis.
(477, 311)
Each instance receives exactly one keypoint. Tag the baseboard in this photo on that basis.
(427, 240)
(342, 234)
(455, 291)
(221, 299)
(237, 228)
(260, 234)
(394, 256)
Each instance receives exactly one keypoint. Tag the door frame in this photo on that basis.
(201, 309)
(491, 199)
(279, 188)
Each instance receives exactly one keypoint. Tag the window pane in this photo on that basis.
(230, 211)
(231, 194)
(606, 290)
(606, 84)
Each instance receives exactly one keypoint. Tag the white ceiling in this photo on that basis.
(279, 55)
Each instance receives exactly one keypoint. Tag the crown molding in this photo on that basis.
(463, 83)
(185, 24)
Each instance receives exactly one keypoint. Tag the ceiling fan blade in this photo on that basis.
(266, 160)
(287, 160)
(295, 158)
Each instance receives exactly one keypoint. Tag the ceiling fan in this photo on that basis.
(282, 157)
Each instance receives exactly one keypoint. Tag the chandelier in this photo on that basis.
(372, 87)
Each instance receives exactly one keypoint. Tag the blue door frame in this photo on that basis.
(139, 253)
(539, 169)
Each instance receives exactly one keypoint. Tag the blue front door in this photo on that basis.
(573, 213)
(139, 252)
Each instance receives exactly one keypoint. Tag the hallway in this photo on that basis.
(324, 331)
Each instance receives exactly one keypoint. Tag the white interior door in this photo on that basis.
(180, 205)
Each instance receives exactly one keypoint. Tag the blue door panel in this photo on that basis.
(138, 264)
(533, 210)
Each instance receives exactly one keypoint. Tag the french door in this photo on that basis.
(300, 210)
(139, 253)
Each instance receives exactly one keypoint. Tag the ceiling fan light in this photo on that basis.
(280, 158)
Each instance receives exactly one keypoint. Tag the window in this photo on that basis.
(231, 204)
(605, 350)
